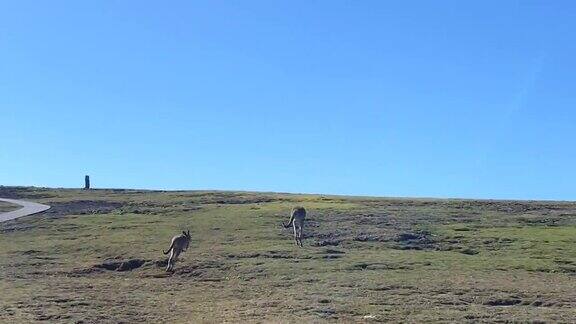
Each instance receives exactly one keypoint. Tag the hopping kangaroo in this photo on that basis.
(179, 243)
(297, 222)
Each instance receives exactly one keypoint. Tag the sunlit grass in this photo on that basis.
(243, 266)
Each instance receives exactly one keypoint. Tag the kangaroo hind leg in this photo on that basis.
(295, 233)
(171, 260)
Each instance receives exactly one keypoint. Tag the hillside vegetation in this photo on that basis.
(96, 256)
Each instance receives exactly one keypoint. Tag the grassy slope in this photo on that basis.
(387, 259)
(6, 207)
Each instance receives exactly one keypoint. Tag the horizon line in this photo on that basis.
(297, 193)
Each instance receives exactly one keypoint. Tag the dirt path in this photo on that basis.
(28, 208)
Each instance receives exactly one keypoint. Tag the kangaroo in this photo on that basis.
(297, 222)
(179, 244)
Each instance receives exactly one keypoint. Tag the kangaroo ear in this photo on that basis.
(188, 232)
(183, 232)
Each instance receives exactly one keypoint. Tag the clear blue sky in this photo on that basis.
(390, 98)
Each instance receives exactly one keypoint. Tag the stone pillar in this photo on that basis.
(87, 182)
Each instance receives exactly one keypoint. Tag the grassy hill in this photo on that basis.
(96, 256)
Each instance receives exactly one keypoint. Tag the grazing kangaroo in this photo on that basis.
(179, 243)
(297, 221)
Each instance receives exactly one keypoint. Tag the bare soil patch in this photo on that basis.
(122, 265)
(82, 207)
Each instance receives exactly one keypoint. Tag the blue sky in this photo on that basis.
(387, 98)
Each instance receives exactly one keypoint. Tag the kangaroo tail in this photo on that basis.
(170, 248)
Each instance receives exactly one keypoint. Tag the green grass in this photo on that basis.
(364, 259)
